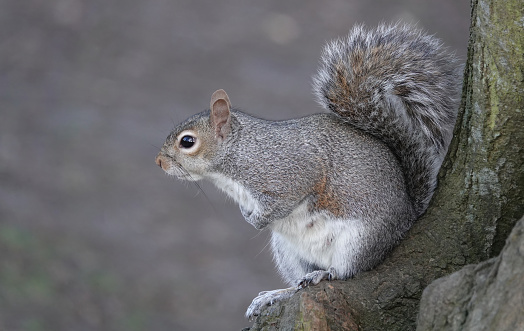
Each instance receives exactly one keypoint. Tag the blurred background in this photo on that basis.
(93, 235)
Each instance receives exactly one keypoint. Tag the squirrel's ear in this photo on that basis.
(220, 114)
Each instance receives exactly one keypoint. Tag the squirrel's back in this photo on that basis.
(400, 85)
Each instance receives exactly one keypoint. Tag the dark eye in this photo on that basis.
(187, 141)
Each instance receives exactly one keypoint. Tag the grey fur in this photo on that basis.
(398, 84)
(338, 190)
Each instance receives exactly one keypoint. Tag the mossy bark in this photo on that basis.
(480, 297)
(478, 201)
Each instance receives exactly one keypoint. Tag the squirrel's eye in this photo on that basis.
(187, 141)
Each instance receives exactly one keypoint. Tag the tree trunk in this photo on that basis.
(481, 297)
(478, 201)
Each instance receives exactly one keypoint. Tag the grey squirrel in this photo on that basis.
(337, 190)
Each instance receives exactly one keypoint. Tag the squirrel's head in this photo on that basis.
(190, 148)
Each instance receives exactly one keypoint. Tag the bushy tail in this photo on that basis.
(401, 86)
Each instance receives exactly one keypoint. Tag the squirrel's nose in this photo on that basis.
(158, 161)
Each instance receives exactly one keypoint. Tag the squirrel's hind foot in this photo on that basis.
(315, 277)
(268, 298)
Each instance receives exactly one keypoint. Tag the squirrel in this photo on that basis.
(338, 190)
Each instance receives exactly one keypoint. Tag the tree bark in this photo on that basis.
(480, 297)
(478, 201)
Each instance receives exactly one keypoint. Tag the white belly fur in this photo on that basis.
(316, 238)
(321, 240)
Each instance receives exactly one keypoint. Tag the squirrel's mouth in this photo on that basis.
(173, 168)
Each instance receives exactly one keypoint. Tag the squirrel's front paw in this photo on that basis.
(267, 298)
(254, 218)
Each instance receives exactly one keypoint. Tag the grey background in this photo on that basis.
(93, 235)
